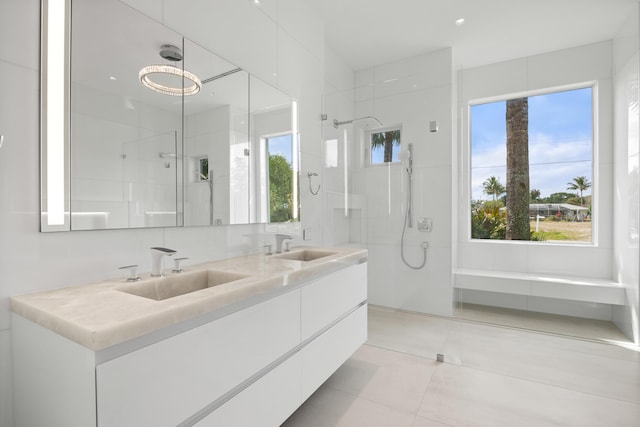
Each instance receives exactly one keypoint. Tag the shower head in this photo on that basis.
(369, 122)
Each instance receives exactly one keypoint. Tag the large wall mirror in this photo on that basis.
(141, 157)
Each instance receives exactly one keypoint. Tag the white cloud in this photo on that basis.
(554, 163)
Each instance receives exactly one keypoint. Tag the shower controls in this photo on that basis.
(425, 224)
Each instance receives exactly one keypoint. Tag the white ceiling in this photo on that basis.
(365, 33)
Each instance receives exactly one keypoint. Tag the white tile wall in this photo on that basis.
(236, 30)
(626, 47)
(409, 93)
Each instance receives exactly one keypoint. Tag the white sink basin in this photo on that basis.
(179, 284)
(304, 255)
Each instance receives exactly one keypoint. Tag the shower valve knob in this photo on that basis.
(425, 224)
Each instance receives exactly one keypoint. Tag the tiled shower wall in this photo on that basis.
(409, 93)
(626, 61)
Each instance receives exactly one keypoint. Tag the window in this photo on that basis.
(203, 169)
(384, 146)
(532, 167)
(282, 189)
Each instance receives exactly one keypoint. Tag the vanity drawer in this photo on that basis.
(324, 355)
(329, 297)
(167, 382)
(267, 402)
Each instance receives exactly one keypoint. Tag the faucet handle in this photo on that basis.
(133, 272)
(268, 249)
(286, 246)
(176, 265)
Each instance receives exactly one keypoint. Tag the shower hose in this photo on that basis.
(404, 230)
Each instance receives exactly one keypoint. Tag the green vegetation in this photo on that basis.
(580, 183)
(488, 221)
(387, 140)
(280, 189)
(493, 187)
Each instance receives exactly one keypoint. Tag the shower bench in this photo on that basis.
(584, 289)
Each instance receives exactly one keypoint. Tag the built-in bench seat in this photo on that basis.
(542, 285)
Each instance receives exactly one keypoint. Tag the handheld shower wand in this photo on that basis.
(406, 157)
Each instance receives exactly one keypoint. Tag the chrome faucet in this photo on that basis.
(279, 239)
(157, 254)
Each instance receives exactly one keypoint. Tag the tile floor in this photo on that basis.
(492, 376)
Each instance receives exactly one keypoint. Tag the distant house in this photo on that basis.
(561, 210)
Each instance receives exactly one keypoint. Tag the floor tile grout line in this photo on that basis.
(487, 370)
(359, 396)
(499, 325)
(549, 385)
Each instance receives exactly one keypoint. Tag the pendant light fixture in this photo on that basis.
(171, 53)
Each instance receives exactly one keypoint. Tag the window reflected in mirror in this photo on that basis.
(281, 177)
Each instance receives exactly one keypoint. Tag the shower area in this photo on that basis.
(387, 186)
(404, 207)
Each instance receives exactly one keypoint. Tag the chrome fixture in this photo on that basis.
(377, 123)
(309, 175)
(176, 265)
(279, 239)
(221, 75)
(209, 181)
(406, 157)
(171, 53)
(133, 272)
(267, 250)
(157, 254)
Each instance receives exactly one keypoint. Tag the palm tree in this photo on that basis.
(535, 195)
(517, 118)
(492, 186)
(387, 140)
(580, 183)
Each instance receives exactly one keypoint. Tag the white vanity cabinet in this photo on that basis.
(254, 366)
(167, 382)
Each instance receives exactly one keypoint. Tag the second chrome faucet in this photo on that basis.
(279, 239)
(157, 254)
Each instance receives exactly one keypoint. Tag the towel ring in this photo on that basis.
(309, 175)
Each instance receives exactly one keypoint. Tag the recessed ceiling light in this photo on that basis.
(459, 21)
(112, 78)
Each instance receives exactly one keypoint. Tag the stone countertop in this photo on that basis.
(101, 315)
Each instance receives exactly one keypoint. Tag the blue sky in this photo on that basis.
(560, 141)
(377, 154)
(281, 145)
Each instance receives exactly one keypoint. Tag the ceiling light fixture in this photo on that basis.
(171, 53)
(459, 22)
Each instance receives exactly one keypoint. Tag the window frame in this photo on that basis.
(595, 199)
